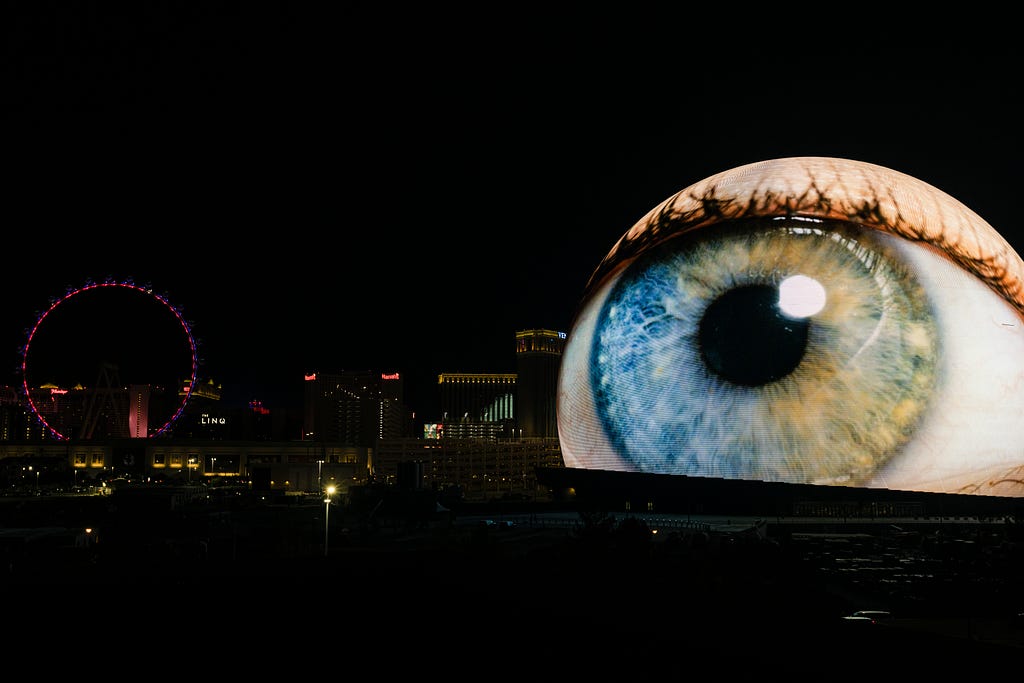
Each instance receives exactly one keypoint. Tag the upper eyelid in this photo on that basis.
(838, 189)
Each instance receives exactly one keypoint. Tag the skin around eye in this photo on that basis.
(837, 189)
(910, 407)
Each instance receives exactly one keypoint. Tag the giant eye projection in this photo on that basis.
(806, 320)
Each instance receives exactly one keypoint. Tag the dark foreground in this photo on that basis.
(250, 592)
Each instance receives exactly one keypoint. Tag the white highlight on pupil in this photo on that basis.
(801, 296)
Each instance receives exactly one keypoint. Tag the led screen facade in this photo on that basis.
(806, 320)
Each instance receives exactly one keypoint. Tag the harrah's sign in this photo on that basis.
(393, 375)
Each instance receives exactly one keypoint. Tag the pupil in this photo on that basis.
(747, 340)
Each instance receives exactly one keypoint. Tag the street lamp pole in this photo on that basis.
(327, 514)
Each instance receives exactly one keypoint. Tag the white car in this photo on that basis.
(868, 616)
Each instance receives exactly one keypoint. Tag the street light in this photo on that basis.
(327, 514)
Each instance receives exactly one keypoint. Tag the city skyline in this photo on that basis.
(308, 213)
(158, 347)
(402, 189)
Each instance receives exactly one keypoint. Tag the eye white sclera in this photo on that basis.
(975, 427)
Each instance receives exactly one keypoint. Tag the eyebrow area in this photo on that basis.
(831, 188)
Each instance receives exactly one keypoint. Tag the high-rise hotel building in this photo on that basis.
(510, 405)
(354, 408)
(477, 405)
(496, 429)
(538, 359)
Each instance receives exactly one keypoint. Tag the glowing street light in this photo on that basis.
(327, 513)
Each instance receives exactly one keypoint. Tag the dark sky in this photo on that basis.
(349, 191)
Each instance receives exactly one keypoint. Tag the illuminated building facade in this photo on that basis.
(538, 357)
(138, 412)
(477, 405)
(106, 412)
(495, 431)
(285, 466)
(521, 404)
(354, 408)
(480, 469)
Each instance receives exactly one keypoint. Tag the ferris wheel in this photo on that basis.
(98, 340)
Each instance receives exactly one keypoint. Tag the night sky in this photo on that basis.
(348, 191)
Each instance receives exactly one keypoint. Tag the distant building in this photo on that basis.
(506, 405)
(479, 469)
(107, 411)
(284, 466)
(354, 427)
(354, 408)
(18, 422)
(205, 417)
(538, 359)
(496, 429)
(477, 405)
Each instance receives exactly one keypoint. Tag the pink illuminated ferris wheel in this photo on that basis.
(111, 359)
